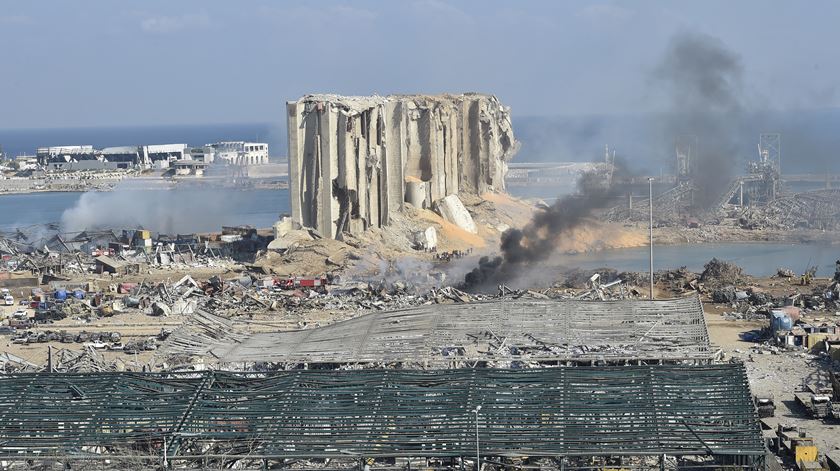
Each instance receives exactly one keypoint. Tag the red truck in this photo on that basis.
(301, 282)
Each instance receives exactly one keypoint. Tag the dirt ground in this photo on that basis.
(779, 375)
(131, 326)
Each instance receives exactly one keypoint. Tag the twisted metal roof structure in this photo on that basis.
(435, 335)
(566, 411)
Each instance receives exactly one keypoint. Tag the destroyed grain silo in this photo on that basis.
(355, 161)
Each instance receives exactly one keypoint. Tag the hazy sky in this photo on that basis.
(85, 63)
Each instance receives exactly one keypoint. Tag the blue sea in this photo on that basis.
(182, 210)
(201, 209)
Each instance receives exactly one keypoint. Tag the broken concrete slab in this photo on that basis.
(283, 226)
(453, 210)
(289, 239)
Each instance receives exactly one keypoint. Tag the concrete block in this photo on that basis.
(452, 209)
(426, 239)
(286, 240)
(284, 226)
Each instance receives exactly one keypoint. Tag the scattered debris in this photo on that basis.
(719, 272)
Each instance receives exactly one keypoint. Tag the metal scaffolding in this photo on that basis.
(632, 411)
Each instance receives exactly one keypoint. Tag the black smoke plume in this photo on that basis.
(520, 248)
(702, 80)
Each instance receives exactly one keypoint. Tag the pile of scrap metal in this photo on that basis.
(613, 290)
(812, 210)
(680, 280)
(156, 299)
(667, 206)
(146, 344)
(10, 363)
(86, 360)
(297, 294)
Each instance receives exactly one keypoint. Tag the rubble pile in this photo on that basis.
(61, 256)
(87, 360)
(810, 210)
(718, 272)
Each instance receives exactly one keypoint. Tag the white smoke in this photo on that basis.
(179, 210)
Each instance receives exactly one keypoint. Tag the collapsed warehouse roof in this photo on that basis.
(681, 411)
(445, 334)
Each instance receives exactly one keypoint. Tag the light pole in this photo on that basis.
(477, 452)
(650, 199)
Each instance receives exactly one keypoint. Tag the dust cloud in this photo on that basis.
(169, 211)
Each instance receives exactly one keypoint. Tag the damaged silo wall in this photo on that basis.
(351, 158)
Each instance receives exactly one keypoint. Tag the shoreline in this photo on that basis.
(259, 183)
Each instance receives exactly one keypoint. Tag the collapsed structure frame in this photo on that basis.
(456, 335)
(684, 411)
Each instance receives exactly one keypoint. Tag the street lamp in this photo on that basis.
(650, 199)
(477, 452)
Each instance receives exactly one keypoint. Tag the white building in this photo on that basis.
(238, 152)
(164, 152)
